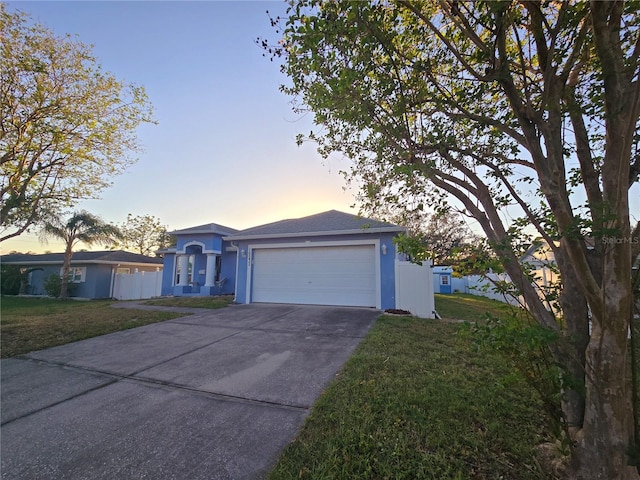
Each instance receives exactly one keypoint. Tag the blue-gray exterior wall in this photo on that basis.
(228, 271)
(168, 271)
(211, 242)
(38, 278)
(97, 280)
(387, 262)
(86, 289)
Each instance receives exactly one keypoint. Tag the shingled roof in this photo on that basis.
(206, 228)
(107, 256)
(332, 222)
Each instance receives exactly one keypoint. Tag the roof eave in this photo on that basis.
(98, 262)
(196, 232)
(369, 230)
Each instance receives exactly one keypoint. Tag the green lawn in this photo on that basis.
(28, 324)
(462, 306)
(415, 401)
(192, 302)
(418, 401)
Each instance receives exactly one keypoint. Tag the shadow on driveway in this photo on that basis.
(214, 395)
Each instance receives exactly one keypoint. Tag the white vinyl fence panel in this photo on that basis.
(483, 285)
(414, 289)
(137, 286)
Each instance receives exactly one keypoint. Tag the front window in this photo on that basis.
(218, 267)
(444, 280)
(189, 273)
(76, 274)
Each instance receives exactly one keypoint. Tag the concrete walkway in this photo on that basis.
(214, 395)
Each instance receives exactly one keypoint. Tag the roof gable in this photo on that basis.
(206, 229)
(332, 222)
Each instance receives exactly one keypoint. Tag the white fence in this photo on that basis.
(483, 285)
(414, 289)
(137, 286)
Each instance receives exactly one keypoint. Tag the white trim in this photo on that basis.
(316, 234)
(174, 272)
(328, 243)
(200, 244)
(113, 280)
(235, 291)
(374, 242)
(86, 262)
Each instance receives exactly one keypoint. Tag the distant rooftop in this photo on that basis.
(106, 256)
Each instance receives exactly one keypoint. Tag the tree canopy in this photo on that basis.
(444, 239)
(143, 234)
(524, 116)
(67, 127)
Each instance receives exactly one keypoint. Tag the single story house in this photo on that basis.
(93, 273)
(331, 258)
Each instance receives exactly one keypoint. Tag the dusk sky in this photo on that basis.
(224, 149)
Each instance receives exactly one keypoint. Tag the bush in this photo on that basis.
(11, 278)
(53, 285)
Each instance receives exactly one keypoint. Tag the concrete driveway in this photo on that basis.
(215, 395)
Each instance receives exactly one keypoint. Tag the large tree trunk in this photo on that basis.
(575, 313)
(607, 437)
(604, 442)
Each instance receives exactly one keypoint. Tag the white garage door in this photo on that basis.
(336, 275)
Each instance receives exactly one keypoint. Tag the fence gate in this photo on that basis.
(414, 288)
(137, 286)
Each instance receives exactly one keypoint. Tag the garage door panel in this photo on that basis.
(340, 275)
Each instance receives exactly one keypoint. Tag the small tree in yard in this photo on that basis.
(81, 227)
(525, 115)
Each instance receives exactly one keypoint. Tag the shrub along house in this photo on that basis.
(331, 258)
(92, 273)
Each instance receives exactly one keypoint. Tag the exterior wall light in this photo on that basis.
(243, 253)
(383, 248)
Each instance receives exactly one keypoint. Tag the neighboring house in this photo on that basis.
(540, 260)
(442, 279)
(331, 258)
(92, 273)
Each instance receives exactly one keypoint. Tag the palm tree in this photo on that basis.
(81, 227)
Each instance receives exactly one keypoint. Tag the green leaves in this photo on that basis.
(514, 113)
(67, 127)
(143, 234)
